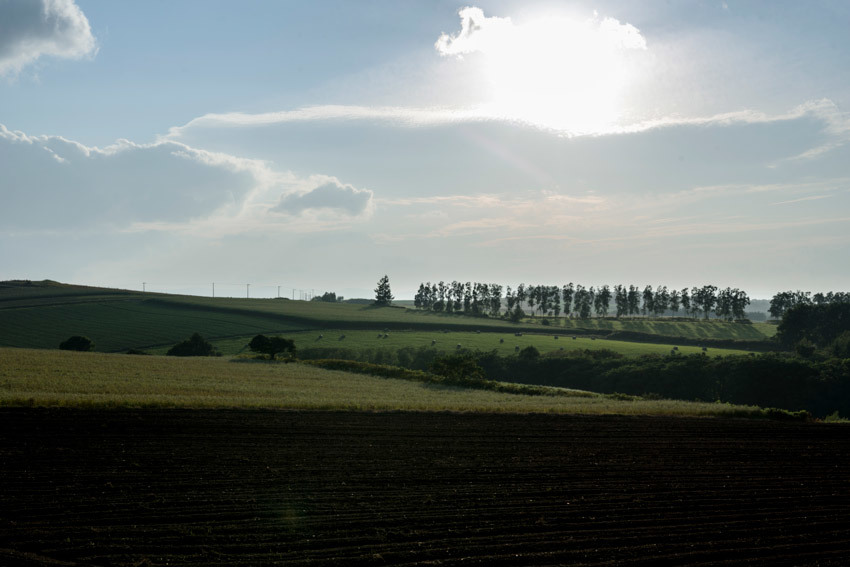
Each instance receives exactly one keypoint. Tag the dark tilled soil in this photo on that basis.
(174, 487)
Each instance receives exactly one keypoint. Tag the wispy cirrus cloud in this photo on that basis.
(836, 123)
(802, 199)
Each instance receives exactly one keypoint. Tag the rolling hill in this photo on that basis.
(42, 314)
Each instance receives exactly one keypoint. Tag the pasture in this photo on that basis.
(504, 343)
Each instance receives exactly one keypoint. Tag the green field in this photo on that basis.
(448, 341)
(57, 378)
(43, 314)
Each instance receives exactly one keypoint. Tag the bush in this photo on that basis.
(78, 343)
(840, 347)
(457, 367)
(195, 345)
(804, 348)
(136, 351)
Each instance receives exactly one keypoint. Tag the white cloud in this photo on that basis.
(480, 33)
(54, 185)
(477, 33)
(30, 29)
(331, 195)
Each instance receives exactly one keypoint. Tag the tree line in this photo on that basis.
(784, 301)
(483, 299)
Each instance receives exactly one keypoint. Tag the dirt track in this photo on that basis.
(154, 487)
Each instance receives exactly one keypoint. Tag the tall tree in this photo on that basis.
(556, 300)
(495, 300)
(532, 297)
(509, 299)
(521, 295)
(634, 300)
(621, 300)
(660, 301)
(383, 295)
(457, 292)
(675, 300)
(706, 298)
(740, 301)
(567, 296)
(686, 301)
(602, 302)
(648, 301)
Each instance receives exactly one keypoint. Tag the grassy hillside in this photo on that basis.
(58, 378)
(42, 314)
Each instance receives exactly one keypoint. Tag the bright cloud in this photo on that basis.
(555, 71)
(30, 29)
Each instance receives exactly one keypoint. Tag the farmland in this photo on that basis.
(118, 459)
(71, 379)
(176, 487)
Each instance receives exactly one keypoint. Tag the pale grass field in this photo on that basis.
(57, 378)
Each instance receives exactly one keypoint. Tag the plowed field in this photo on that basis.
(160, 487)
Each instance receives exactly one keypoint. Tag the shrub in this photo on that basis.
(77, 342)
(840, 347)
(136, 351)
(804, 348)
(457, 367)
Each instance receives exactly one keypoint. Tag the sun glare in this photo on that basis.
(555, 72)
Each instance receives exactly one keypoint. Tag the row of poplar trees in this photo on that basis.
(479, 299)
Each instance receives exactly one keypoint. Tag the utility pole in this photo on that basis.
(213, 289)
(293, 294)
(247, 291)
(143, 287)
(278, 291)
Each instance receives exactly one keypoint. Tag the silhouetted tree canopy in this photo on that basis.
(272, 345)
(820, 324)
(77, 342)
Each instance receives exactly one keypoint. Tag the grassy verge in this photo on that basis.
(58, 378)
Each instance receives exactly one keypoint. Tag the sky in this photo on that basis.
(299, 147)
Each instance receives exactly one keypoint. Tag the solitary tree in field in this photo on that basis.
(383, 295)
(272, 345)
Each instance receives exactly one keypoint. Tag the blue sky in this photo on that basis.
(320, 145)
